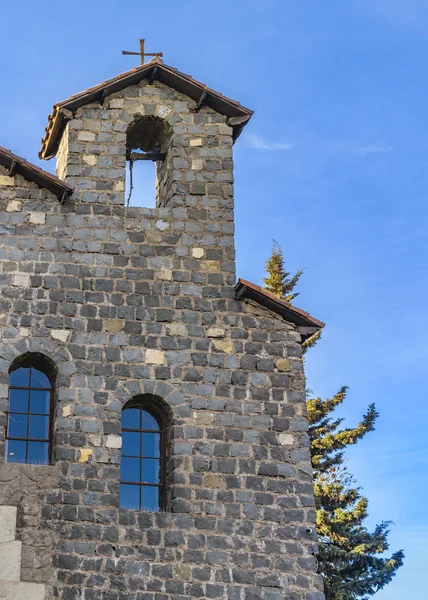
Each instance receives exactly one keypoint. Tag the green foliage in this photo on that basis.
(280, 284)
(279, 281)
(349, 555)
(327, 443)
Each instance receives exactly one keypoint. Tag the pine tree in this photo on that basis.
(348, 555)
(279, 282)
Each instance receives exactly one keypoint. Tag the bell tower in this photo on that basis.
(153, 433)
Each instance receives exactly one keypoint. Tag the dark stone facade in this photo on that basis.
(128, 301)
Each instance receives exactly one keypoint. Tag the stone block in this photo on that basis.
(114, 441)
(223, 346)
(164, 274)
(114, 325)
(285, 439)
(14, 206)
(176, 329)
(85, 453)
(7, 523)
(198, 252)
(21, 590)
(37, 218)
(215, 332)
(155, 357)
(283, 364)
(195, 142)
(6, 180)
(211, 480)
(60, 334)
(10, 561)
(90, 159)
(22, 280)
(86, 136)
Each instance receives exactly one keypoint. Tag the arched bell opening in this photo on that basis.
(148, 140)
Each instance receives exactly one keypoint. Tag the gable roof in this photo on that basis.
(306, 324)
(155, 69)
(17, 164)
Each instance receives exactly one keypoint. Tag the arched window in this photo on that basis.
(29, 417)
(143, 460)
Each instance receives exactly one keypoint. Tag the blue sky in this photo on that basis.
(333, 165)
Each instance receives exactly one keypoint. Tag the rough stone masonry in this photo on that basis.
(126, 301)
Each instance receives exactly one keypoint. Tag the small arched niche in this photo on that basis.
(148, 140)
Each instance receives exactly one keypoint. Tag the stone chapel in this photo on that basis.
(153, 434)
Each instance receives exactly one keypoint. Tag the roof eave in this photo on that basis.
(17, 164)
(305, 323)
(237, 114)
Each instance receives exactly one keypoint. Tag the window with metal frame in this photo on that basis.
(143, 459)
(29, 417)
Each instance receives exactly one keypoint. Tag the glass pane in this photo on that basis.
(130, 469)
(130, 496)
(151, 444)
(39, 402)
(150, 472)
(38, 453)
(18, 400)
(17, 426)
(131, 418)
(39, 379)
(150, 498)
(131, 443)
(20, 377)
(149, 422)
(39, 428)
(15, 451)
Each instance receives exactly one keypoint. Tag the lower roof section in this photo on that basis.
(16, 164)
(305, 323)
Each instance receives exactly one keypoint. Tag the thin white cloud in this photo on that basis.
(256, 142)
(374, 149)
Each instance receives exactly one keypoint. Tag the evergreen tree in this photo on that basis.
(279, 281)
(280, 284)
(348, 557)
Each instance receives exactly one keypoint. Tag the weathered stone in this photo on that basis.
(7, 180)
(14, 206)
(114, 325)
(114, 441)
(7, 523)
(223, 346)
(37, 218)
(10, 561)
(155, 357)
(211, 480)
(14, 590)
(283, 364)
(60, 334)
(85, 453)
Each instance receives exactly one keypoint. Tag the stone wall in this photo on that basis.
(128, 301)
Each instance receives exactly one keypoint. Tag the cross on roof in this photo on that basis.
(141, 53)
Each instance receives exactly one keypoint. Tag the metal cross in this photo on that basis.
(141, 53)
